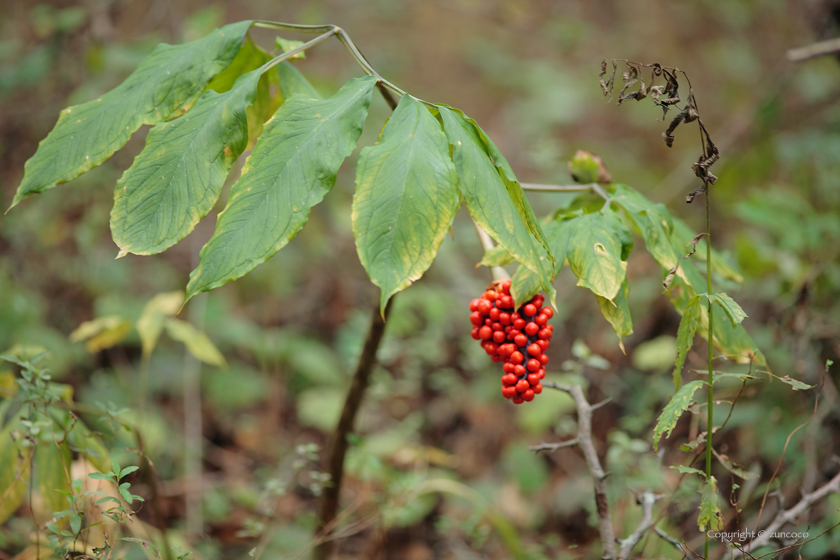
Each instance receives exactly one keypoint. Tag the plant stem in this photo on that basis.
(338, 448)
(710, 388)
(497, 272)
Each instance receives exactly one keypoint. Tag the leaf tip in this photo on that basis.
(121, 254)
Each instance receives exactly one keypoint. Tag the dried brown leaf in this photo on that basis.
(607, 87)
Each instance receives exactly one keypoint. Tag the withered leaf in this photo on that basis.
(607, 87)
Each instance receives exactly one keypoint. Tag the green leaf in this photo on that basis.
(14, 471)
(52, 471)
(685, 336)
(197, 343)
(250, 57)
(654, 223)
(525, 284)
(488, 199)
(286, 45)
(406, 198)
(86, 443)
(688, 470)
(75, 523)
(673, 410)
(517, 195)
(293, 166)
(127, 471)
(101, 333)
(176, 179)
(165, 85)
(732, 309)
(497, 256)
(797, 385)
(599, 244)
(710, 517)
(617, 312)
(156, 311)
(733, 467)
(292, 82)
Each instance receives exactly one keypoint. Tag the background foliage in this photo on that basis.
(291, 330)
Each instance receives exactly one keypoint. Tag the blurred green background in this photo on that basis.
(291, 331)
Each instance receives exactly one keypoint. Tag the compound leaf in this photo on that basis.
(165, 85)
(489, 201)
(176, 179)
(526, 284)
(293, 166)
(406, 198)
(673, 410)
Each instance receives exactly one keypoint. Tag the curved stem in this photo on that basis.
(710, 389)
(338, 448)
(591, 187)
(290, 53)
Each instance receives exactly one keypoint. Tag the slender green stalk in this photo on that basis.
(497, 272)
(710, 388)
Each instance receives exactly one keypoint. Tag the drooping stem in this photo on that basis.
(710, 388)
(338, 448)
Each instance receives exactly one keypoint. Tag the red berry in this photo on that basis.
(541, 319)
(533, 365)
(522, 386)
(504, 318)
(537, 389)
(506, 302)
(548, 312)
(541, 373)
(490, 295)
(543, 344)
(488, 321)
(528, 395)
(509, 392)
(485, 332)
(543, 359)
(521, 340)
(508, 367)
(510, 379)
(517, 400)
(499, 337)
(506, 286)
(537, 301)
(497, 326)
(494, 313)
(509, 349)
(513, 334)
(484, 306)
(476, 318)
(474, 304)
(474, 333)
(517, 357)
(535, 350)
(496, 358)
(490, 347)
(519, 323)
(530, 310)
(532, 329)
(533, 379)
(519, 370)
(545, 334)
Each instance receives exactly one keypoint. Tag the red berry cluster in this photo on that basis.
(519, 339)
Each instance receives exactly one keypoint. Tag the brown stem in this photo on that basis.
(338, 448)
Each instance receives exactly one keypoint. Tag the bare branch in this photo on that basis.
(551, 447)
(788, 516)
(822, 48)
(646, 500)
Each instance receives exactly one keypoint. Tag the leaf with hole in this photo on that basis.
(406, 198)
(599, 244)
(165, 85)
(293, 166)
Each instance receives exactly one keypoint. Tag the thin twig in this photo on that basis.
(584, 441)
(551, 447)
(497, 272)
(788, 516)
(822, 48)
(646, 500)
